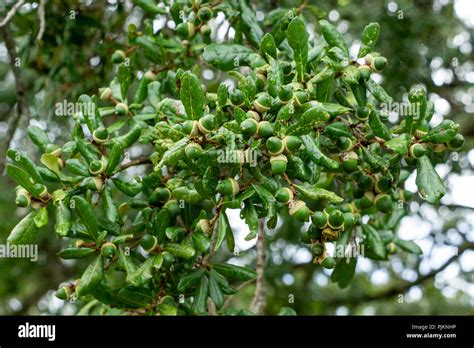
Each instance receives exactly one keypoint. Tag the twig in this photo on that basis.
(11, 13)
(259, 299)
(21, 100)
(135, 162)
(240, 287)
(41, 15)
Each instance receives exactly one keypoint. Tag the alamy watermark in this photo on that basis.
(402, 109)
(70, 109)
(25, 251)
(238, 156)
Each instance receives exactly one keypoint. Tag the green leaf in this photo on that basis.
(399, 144)
(298, 40)
(287, 311)
(314, 116)
(315, 193)
(409, 246)
(234, 272)
(215, 291)
(124, 78)
(143, 273)
(378, 127)
(183, 251)
(75, 253)
(111, 210)
(192, 96)
(24, 162)
(251, 219)
(333, 37)
(25, 232)
(173, 154)
(126, 263)
(38, 137)
(86, 214)
(92, 276)
(369, 37)
(227, 56)
(268, 47)
(315, 154)
(23, 179)
(200, 297)
(41, 218)
(430, 185)
(251, 28)
(190, 279)
(344, 271)
(222, 229)
(378, 92)
(374, 243)
(62, 216)
(114, 158)
(50, 161)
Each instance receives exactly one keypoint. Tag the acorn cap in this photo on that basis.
(383, 202)
(100, 135)
(253, 114)
(329, 262)
(204, 14)
(265, 129)
(263, 102)
(278, 164)
(317, 249)
(193, 151)
(417, 150)
(336, 219)
(330, 233)
(367, 200)
(383, 184)
(105, 93)
(457, 142)
(121, 109)
(96, 167)
(284, 195)
(422, 129)
(364, 72)
(204, 226)
(207, 123)
(108, 250)
(274, 146)
(299, 210)
(228, 187)
(249, 127)
(344, 143)
(148, 242)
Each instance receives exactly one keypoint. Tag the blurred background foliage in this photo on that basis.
(428, 42)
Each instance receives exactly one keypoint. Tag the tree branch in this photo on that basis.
(135, 162)
(42, 20)
(259, 299)
(11, 13)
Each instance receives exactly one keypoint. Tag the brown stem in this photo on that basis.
(259, 299)
(135, 162)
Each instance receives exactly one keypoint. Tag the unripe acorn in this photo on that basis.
(204, 14)
(185, 30)
(274, 146)
(362, 113)
(108, 250)
(439, 151)
(383, 184)
(292, 143)
(286, 93)
(456, 143)
(237, 97)
(172, 206)
(265, 129)
(367, 200)
(64, 293)
(314, 232)
(378, 63)
(329, 262)
(278, 164)
(319, 219)
(317, 249)
(118, 56)
(300, 97)
(121, 109)
(336, 219)
(228, 187)
(163, 194)
(284, 195)
(249, 127)
(106, 93)
(365, 182)
(391, 248)
(344, 143)
(193, 151)
(417, 150)
(204, 226)
(253, 114)
(299, 210)
(349, 221)
(96, 167)
(168, 259)
(350, 162)
(263, 102)
(148, 242)
(22, 198)
(405, 195)
(207, 123)
(422, 129)
(100, 135)
(205, 30)
(383, 203)
(330, 233)
(365, 72)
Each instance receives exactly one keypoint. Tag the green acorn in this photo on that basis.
(286, 93)
(204, 14)
(148, 242)
(263, 102)
(305, 238)
(365, 182)
(378, 63)
(349, 221)
(349, 163)
(100, 135)
(344, 143)
(292, 143)
(284, 195)
(362, 113)
(274, 146)
(96, 167)
(193, 151)
(417, 150)
(118, 56)
(249, 127)
(319, 219)
(314, 232)
(185, 30)
(456, 143)
(329, 262)
(105, 93)
(278, 164)
(317, 249)
(108, 250)
(383, 184)
(300, 97)
(367, 200)
(422, 129)
(121, 109)
(207, 123)
(336, 219)
(364, 72)
(163, 194)
(330, 233)
(204, 226)
(64, 293)
(439, 151)
(253, 114)
(237, 97)
(22, 198)
(383, 203)
(172, 206)
(228, 187)
(265, 129)
(205, 30)
(405, 195)
(298, 210)
(391, 248)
